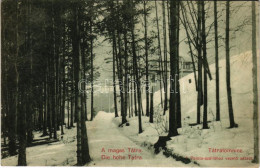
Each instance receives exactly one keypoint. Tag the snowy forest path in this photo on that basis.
(104, 135)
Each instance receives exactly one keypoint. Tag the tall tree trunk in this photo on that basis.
(165, 59)
(204, 44)
(126, 74)
(13, 113)
(177, 76)
(136, 70)
(114, 51)
(30, 112)
(120, 78)
(120, 69)
(216, 60)
(173, 64)
(83, 50)
(229, 94)
(114, 72)
(255, 89)
(146, 61)
(82, 142)
(22, 131)
(199, 98)
(63, 99)
(55, 77)
(44, 132)
(131, 96)
(92, 73)
(135, 91)
(72, 97)
(84, 138)
(77, 77)
(50, 105)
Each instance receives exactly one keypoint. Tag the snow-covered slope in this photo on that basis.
(195, 142)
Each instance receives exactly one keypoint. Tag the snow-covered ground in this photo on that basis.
(193, 142)
(196, 142)
(103, 135)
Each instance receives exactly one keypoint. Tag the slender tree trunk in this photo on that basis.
(120, 69)
(136, 70)
(151, 108)
(120, 79)
(146, 61)
(83, 50)
(55, 77)
(63, 98)
(204, 43)
(22, 132)
(45, 106)
(30, 112)
(72, 97)
(69, 108)
(92, 73)
(126, 74)
(199, 98)
(177, 76)
(216, 60)
(135, 91)
(41, 107)
(229, 94)
(114, 50)
(255, 89)
(131, 96)
(165, 59)
(114, 72)
(50, 105)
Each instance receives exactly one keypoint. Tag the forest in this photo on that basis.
(50, 62)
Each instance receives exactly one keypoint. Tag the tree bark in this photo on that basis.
(83, 156)
(126, 75)
(204, 46)
(255, 87)
(173, 64)
(92, 72)
(229, 94)
(151, 108)
(136, 71)
(22, 132)
(199, 98)
(146, 61)
(178, 105)
(165, 60)
(216, 60)
(114, 73)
